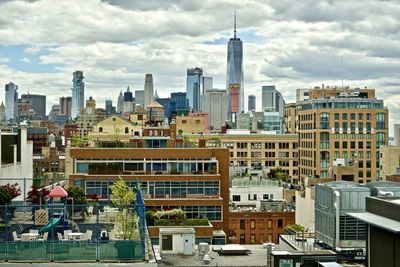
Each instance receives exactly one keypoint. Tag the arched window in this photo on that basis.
(100, 129)
(126, 130)
(324, 120)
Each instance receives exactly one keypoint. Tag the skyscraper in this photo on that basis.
(78, 93)
(216, 107)
(273, 106)
(251, 105)
(65, 106)
(234, 72)
(194, 80)
(120, 102)
(38, 104)
(181, 102)
(148, 90)
(11, 101)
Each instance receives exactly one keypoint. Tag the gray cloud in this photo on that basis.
(115, 42)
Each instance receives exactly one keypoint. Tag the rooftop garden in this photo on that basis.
(174, 217)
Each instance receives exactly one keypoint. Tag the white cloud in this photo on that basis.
(116, 42)
(26, 60)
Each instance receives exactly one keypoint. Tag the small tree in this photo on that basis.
(5, 197)
(13, 189)
(124, 196)
(77, 194)
(37, 195)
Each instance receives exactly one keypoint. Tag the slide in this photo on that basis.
(51, 224)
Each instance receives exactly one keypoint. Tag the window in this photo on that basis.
(242, 238)
(344, 144)
(269, 224)
(337, 144)
(252, 224)
(126, 130)
(236, 198)
(360, 144)
(252, 239)
(360, 116)
(368, 116)
(360, 126)
(324, 120)
(344, 126)
(352, 116)
(265, 196)
(336, 116)
(380, 121)
(100, 129)
(242, 224)
(344, 116)
(280, 223)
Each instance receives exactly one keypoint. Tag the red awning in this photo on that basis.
(58, 191)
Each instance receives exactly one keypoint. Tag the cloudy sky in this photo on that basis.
(289, 43)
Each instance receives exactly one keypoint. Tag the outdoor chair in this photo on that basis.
(66, 232)
(45, 236)
(15, 236)
(88, 235)
(60, 237)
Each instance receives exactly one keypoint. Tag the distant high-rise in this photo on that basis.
(38, 104)
(109, 107)
(272, 99)
(216, 107)
(2, 112)
(11, 98)
(65, 106)
(180, 99)
(78, 93)
(194, 81)
(128, 96)
(139, 98)
(234, 72)
(251, 105)
(148, 90)
(120, 102)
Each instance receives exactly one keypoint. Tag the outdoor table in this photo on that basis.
(31, 236)
(74, 236)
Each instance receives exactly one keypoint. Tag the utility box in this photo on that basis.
(177, 240)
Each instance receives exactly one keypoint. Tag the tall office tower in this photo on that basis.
(128, 96)
(2, 112)
(251, 105)
(65, 106)
(120, 102)
(180, 99)
(234, 72)
(139, 97)
(194, 81)
(148, 90)
(38, 104)
(207, 84)
(216, 107)
(272, 99)
(78, 93)
(11, 98)
(109, 107)
(341, 123)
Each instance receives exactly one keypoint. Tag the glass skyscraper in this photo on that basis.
(78, 93)
(194, 81)
(234, 72)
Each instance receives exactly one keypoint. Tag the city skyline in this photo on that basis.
(287, 44)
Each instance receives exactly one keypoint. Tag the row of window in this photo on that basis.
(259, 145)
(212, 213)
(180, 189)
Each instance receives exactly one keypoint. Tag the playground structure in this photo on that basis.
(53, 232)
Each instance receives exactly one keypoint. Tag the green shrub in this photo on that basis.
(161, 222)
(197, 222)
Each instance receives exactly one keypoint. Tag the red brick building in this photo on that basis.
(257, 227)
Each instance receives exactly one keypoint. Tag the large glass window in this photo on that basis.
(324, 120)
(380, 121)
(180, 189)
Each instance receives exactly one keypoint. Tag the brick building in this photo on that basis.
(257, 227)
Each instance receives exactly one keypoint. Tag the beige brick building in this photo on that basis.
(342, 123)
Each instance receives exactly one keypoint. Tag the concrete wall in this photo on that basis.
(390, 160)
(244, 192)
(305, 202)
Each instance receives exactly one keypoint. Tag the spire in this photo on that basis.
(156, 96)
(234, 25)
(128, 90)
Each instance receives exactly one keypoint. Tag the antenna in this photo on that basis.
(234, 25)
